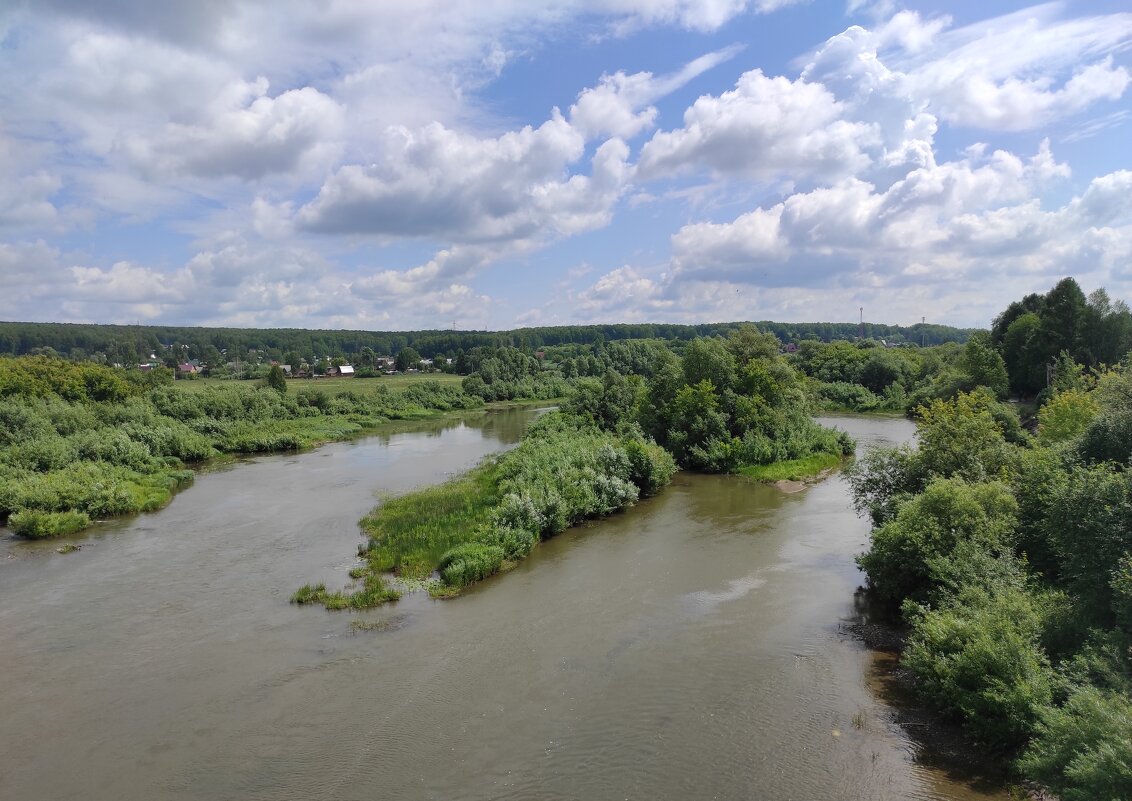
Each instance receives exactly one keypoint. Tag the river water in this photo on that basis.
(690, 648)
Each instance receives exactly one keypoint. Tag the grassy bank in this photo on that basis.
(491, 517)
(792, 469)
(79, 443)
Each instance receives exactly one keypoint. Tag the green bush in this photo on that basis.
(40, 525)
(651, 467)
(1083, 750)
(977, 657)
(468, 563)
(929, 527)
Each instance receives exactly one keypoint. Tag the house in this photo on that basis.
(345, 371)
(188, 368)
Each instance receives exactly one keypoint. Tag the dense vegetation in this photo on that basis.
(725, 405)
(80, 442)
(133, 344)
(1009, 556)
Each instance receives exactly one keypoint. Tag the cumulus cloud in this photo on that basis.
(764, 128)
(951, 215)
(440, 183)
(298, 141)
(620, 104)
(247, 134)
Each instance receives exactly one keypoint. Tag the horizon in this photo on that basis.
(498, 330)
(399, 166)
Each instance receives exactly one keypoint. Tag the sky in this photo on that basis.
(410, 164)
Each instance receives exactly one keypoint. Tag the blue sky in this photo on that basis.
(499, 163)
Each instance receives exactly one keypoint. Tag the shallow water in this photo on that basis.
(692, 647)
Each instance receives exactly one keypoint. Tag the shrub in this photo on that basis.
(469, 563)
(929, 527)
(34, 524)
(1083, 750)
(651, 467)
(978, 658)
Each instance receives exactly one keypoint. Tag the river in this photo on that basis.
(690, 648)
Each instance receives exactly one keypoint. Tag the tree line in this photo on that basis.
(133, 344)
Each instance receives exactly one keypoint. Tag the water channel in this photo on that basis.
(693, 647)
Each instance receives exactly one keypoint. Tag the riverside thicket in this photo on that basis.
(1009, 557)
(80, 442)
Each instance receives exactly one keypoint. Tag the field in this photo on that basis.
(333, 386)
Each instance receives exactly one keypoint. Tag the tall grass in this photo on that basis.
(792, 469)
(409, 534)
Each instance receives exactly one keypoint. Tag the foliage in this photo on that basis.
(275, 379)
(791, 469)
(81, 439)
(929, 527)
(408, 359)
(1083, 750)
(1065, 416)
(1034, 333)
(985, 366)
(1090, 527)
(716, 414)
(978, 658)
(38, 525)
(963, 437)
(133, 344)
(42, 377)
(469, 563)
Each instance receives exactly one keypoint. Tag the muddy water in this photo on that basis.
(691, 648)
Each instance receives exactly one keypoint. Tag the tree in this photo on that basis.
(407, 359)
(929, 528)
(275, 379)
(746, 343)
(1063, 321)
(1024, 366)
(985, 366)
(708, 359)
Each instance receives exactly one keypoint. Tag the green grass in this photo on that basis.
(791, 469)
(374, 591)
(331, 386)
(409, 534)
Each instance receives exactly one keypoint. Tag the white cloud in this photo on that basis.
(1016, 72)
(619, 104)
(247, 134)
(764, 128)
(951, 215)
(439, 183)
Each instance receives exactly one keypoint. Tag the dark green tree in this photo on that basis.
(275, 378)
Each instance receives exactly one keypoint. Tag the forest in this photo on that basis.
(133, 344)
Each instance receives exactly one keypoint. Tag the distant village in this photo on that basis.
(255, 363)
